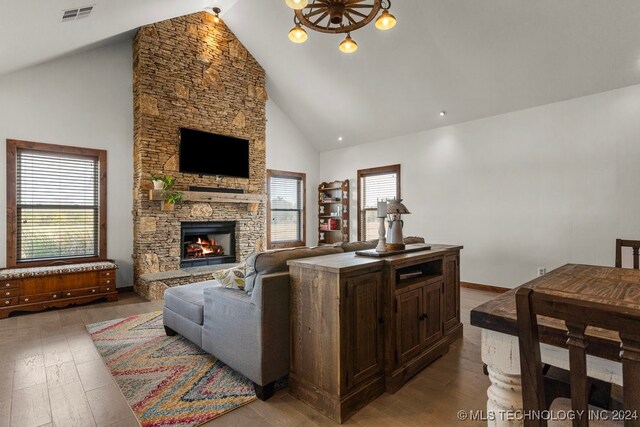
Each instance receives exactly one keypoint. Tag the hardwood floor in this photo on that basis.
(52, 375)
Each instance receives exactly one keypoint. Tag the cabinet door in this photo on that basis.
(364, 328)
(410, 329)
(451, 292)
(432, 315)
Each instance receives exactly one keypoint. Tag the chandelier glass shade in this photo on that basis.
(385, 21)
(298, 34)
(297, 4)
(338, 17)
(348, 45)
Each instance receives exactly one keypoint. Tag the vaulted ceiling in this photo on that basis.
(472, 58)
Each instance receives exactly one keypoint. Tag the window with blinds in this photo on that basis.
(375, 184)
(56, 204)
(286, 209)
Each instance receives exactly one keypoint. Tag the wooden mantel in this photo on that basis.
(252, 200)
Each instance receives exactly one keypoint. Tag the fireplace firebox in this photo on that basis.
(207, 243)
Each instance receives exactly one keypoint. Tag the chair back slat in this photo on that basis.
(631, 372)
(533, 398)
(635, 247)
(578, 371)
(577, 315)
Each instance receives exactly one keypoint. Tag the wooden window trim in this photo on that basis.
(368, 172)
(12, 226)
(286, 174)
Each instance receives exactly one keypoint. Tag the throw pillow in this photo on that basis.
(231, 278)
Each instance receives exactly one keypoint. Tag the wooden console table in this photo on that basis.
(361, 326)
(38, 288)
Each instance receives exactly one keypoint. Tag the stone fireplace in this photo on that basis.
(191, 73)
(207, 243)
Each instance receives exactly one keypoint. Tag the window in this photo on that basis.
(56, 204)
(285, 209)
(375, 184)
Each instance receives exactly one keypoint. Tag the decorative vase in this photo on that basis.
(157, 184)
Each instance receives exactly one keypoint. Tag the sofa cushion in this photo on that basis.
(231, 278)
(188, 300)
(275, 261)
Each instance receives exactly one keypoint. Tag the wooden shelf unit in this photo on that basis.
(333, 197)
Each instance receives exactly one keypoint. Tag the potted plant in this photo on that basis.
(157, 181)
(171, 196)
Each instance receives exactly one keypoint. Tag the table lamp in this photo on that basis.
(395, 210)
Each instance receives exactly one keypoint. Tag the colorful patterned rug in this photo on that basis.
(167, 381)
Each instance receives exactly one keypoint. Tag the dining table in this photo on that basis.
(500, 351)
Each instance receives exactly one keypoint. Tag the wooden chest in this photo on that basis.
(39, 289)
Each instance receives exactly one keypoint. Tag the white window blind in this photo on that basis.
(57, 206)
(287, 209)
(374, 187)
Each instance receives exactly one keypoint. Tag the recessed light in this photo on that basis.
(442, 113)
(340, 138)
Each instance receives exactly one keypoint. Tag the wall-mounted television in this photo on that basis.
(205, 153)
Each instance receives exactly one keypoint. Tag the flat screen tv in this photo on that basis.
(204, 153)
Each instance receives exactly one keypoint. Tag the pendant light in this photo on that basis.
(215, 11)
(348, 45)
(297, 4)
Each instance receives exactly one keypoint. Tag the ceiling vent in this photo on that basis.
(77, 13)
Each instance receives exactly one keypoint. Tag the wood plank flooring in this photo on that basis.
(52, 375)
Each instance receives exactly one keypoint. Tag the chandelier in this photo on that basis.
(338, 17)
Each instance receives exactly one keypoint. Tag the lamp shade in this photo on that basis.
(348, 45)
(385, 21)
(396, 207)
(298, 34)
(297, 4)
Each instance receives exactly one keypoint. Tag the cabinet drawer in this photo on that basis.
(107, 289)
(107, 273)
(6, 302)
(8, 293)
(108, 281)
(40, 298)
(74, 293)
(9, 284)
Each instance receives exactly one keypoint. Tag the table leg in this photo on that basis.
(500, 353)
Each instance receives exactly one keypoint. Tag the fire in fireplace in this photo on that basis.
(207, 243)
(203, 247)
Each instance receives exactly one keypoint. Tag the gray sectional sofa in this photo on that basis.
(247, 329)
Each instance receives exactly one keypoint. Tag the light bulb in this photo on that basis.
(348, 45)
(297, 4)
(298, 34)
(385, 21)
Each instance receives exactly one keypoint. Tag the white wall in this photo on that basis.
(82, 100)
(289, 150)
(538, 187)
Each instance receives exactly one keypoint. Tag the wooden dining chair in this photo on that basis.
(577, 315)
(635, 245)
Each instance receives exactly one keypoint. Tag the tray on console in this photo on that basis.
(410, 248)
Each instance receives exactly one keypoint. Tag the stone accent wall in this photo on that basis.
(190, 72)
